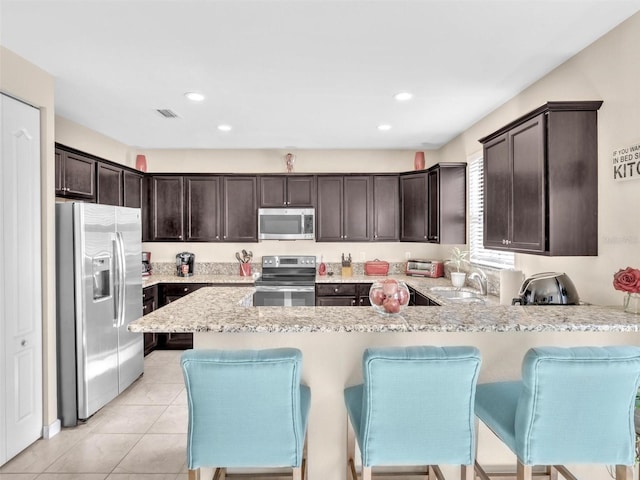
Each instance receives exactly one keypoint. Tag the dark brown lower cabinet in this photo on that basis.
(416, 299)
(149, 304)
(342, 294)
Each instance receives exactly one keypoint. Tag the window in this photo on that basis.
(477, 253)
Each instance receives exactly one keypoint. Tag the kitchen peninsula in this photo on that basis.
(333, 339)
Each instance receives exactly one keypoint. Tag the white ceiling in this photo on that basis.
(296, 74)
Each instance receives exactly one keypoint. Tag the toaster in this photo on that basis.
(549, 288)
(425, 268)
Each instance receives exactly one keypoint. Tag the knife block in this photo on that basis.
(347, 271)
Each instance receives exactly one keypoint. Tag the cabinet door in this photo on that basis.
(336, 301)
(167, 198)
(413, 213)
(59, 180)
(528, 231)
(357, 209)
(109, 185)
(433, 206)
(451, 223)
(497, 193)
(329, 209)
(300, 191)
(203, 209)
(240, 216)
(131, 189)
(79, 176)
(386, 208)
(273, 191)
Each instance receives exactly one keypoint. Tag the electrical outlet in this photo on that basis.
(407, 255)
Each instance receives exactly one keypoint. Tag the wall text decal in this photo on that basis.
(626, 163)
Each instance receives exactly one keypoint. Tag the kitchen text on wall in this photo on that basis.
(626, 163)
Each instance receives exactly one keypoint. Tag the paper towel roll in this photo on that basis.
(510, 282)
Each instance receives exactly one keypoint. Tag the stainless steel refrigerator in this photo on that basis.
(99, 292)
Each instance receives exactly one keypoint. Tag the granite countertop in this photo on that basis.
(229, 309)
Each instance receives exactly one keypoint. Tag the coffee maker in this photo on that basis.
(146, 264)
(185, 264)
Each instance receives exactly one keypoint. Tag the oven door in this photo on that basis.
(284, 296)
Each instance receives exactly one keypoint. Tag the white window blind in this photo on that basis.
(477, 253)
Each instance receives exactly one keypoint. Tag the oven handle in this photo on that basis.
(285, 288)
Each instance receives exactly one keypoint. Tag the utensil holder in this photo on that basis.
(347, 271)
(245, 269)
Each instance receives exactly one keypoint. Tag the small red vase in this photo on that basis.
(141, 163)
(418, 161)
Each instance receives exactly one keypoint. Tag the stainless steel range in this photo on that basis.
(288, 281)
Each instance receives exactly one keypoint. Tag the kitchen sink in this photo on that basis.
(459, 295)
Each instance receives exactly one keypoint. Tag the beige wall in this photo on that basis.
(77, 136)
(32, 85)
(607, 70)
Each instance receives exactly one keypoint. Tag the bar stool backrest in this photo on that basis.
(577, 405)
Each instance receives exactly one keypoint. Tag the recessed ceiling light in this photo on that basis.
(194, 96)
(403, 96)
(224, 128)
(384, 127)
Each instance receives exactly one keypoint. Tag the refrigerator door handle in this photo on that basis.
(115, 283)
(120, 286)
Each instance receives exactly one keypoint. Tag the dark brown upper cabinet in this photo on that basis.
(287, 190)
(203, 196)
(413, 207)
(109, 185)
(541, 182)
(167, 208)
(75, 176)
(447, 203)
(433, 205)
(344, 208)
(386, 208)
(132, 189)
(240, 209)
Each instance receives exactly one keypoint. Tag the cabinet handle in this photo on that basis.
(23, 343)
(186, 289)
(362, 301)
(217, 237)
(335, 290)
(179, 236)
(353, 302)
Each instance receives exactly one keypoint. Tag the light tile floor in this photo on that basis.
(141, 435)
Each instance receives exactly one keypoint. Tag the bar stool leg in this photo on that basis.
(194, 474)
(467, 472)
(524, 471)
(366, 473)
(624, 472)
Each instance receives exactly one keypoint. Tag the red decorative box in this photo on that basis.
(376, 267)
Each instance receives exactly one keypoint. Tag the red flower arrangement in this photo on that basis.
(627, 280)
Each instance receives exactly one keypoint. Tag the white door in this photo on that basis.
(20, 278)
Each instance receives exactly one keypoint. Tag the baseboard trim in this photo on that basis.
(49, 431)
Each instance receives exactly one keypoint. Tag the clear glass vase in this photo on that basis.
(632, 303)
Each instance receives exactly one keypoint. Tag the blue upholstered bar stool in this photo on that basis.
(247, 409)
(415, 408)
(573, 406)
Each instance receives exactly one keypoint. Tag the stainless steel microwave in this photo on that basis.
(286, 223)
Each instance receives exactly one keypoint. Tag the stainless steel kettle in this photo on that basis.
(549, 288)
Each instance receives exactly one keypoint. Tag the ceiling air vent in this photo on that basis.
(166, 113)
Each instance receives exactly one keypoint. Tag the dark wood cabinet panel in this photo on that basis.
(497, 192)
(329, 209)
(386, 208)
(301, 191)
(413, 212)
(167, 204)
(344, 208)
(356, 218)
(202, 209)
(528, 231)
(541, 182)
(342, 294)
(416, 299)
(75, 175)
(287, 190)
(240, 215)
(131, 189)
(273, 191)
(149, 304)
(109, 185)
(447, 206)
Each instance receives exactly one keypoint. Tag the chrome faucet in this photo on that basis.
(481, 277)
